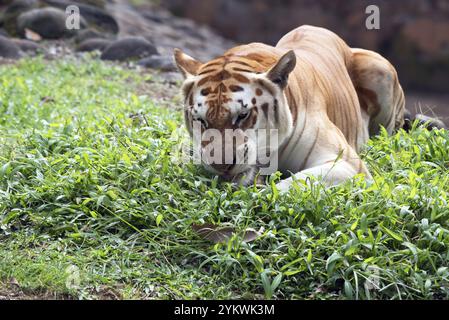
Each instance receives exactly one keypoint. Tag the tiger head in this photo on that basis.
(236, 95)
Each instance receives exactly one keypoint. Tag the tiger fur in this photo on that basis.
(324, 98)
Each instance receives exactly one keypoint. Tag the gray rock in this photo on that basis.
(95, 3)
(429, 122)
(13, 11)
(164, 63)
(8, 49)
(49, 23)
(27, 45)
(167, 31)
(86, 34)
(93, 44)
(129, 48)
(172, 78)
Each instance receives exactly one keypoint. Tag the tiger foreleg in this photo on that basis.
(330, 173)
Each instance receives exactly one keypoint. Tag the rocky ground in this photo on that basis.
(113, 28)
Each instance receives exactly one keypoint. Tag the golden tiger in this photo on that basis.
(324, 98)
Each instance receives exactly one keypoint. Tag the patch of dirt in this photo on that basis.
(13, 291)
(7, 61)
(162, 87)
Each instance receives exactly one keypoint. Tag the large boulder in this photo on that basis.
(86, 34)
(163, 63)
(129, 48)
(49, 23)
(93, 44)
(8, 49)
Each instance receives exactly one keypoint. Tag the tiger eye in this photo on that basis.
(205, 92)
(235, 88)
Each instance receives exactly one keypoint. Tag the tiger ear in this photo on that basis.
(279, 73)
(186, 64)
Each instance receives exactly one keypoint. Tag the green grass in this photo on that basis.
(82, 184)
